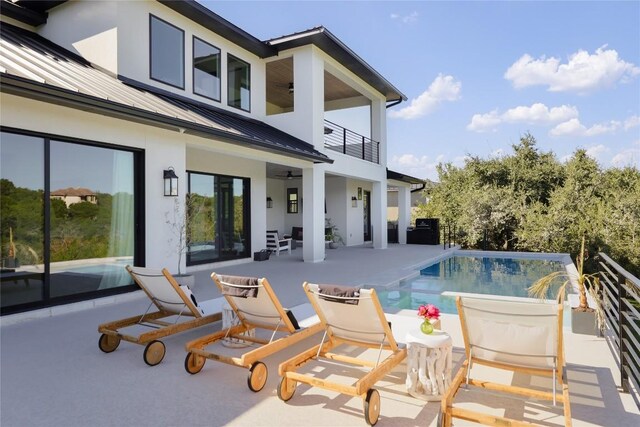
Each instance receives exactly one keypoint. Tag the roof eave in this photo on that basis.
(334, 47)
(210, 20)
(397, 176)
(22, 14)
(43, 92)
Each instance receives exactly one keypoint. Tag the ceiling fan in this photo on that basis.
(289, 175)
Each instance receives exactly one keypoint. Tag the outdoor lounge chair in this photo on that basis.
(276, 244)
(256, 307)
(352, 317)
(172, 300)
(522, 337)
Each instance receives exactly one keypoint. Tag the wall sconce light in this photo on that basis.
(354, 202)
(269, 202)
(170, 182)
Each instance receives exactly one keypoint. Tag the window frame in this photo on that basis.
(151, 18)
(139, 254)
(193, 69)
(293, 206)
(229, 56)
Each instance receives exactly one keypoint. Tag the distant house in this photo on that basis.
(71, 195)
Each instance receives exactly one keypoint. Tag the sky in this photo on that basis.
(479, 75)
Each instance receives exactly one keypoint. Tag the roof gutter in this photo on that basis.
(42, 92)
(394, 103)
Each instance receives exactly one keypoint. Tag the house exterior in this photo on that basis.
(71, 196)
(109, 96)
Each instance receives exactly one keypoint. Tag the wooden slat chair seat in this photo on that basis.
(362, 324)
(177, 311)
(276, 244)
(521, 337)
(256, 307)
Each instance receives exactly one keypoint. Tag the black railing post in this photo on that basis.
(344, 141)
(363, 145)
(444, 236)
(624, 378)
(449, 238)
(454, 235)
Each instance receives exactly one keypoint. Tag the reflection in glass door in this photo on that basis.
(92, 218)
(366, 205)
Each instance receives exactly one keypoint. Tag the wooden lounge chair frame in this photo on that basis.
(182, 307)
(258, 373)
(333, 338)
(557, 372)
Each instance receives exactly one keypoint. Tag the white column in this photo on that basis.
(313, 213)
(404, 213)
(308, 97)
(379, 214)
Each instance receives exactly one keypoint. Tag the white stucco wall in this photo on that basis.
(276, 215)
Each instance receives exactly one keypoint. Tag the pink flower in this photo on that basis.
(429, 311)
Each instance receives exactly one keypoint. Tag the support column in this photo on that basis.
(404, 213)
(379, 214)
(313, 213)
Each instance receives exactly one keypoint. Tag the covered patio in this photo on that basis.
(54, 374)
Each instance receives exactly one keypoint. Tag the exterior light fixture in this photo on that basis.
(269, 202)
(170, 182)
(354, 202)
(291, 87)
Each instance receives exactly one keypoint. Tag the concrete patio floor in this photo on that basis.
(53, 374)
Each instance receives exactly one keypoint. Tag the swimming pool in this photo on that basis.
(470, 272)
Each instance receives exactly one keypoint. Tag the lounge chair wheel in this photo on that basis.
(286, 389)
(193, 363)
(154, 353)
(108, 343)
(257, 376)
(372, 407)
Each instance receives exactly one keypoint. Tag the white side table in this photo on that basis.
(429, 362)
(229, 319)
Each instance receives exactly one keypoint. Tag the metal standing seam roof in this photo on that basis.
(33, 66)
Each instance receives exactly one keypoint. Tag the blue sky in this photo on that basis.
(479, 75)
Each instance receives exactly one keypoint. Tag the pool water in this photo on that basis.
(467, 274)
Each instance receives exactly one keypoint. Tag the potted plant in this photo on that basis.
(331, 234)
(584, 319)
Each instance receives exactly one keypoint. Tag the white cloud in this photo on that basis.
(583, 72)
(537, 113)
(573, 127)
(418, 166)
(632, 122)
(596, 151)
(628, 156)
(412, 17)
(443, 88)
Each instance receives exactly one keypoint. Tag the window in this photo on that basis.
(238, 83)
(166, 52)
(217, 218)
(67, 220)
(206, 69)
(292, 200)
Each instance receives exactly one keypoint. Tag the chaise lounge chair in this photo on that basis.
(353, 317)
(256, 307)
(172, 300)
(517, 336)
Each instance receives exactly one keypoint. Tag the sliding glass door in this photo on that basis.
(218, 218)
(68, 219)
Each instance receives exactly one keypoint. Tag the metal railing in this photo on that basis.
(448, 235)
(345, 141)
(621, 296)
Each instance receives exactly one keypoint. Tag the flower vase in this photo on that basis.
(426, 327)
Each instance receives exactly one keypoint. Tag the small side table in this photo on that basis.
(429, 363)
(230, 319)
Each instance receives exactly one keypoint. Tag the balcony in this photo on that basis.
(345, 141)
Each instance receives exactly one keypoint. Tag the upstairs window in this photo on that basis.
(166, 53)
(292, 200)
(206, 69)
(238, 81)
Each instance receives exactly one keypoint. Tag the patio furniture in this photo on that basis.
(276, 244)
(429, 361)
(523, 337)
(352, 317)
(257, 308)
(177, 311)
(295, 236)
